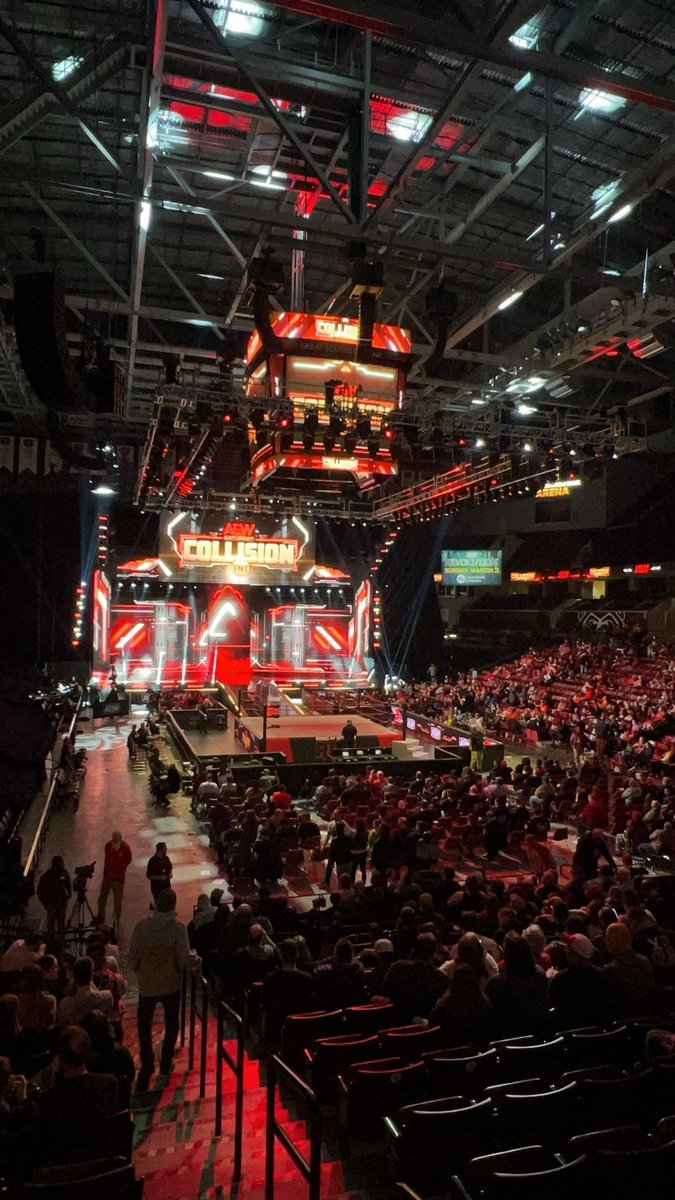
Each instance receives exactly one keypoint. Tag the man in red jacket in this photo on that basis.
(116, 860)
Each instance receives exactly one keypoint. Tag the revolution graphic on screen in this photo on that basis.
(471, 568)
(256, 550)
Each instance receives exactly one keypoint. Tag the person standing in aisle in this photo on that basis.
(159, 870)
(132, 743)
(159, 953)
(117, 856)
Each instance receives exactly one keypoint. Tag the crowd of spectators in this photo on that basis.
(615, 698)
(587, 933)
(483, 959)
(448, 896)
(61, 1051)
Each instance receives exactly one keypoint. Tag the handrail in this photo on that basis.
(183, 1008)
(237, 1067)
(204, 1021)
(40, 833)
(310, 1170)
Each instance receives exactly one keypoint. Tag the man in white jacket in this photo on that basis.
(159, 953)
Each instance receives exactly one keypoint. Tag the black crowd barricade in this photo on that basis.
(277, 1072)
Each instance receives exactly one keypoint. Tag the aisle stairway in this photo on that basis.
(175, 1148)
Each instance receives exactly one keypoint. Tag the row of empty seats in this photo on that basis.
(458, 1120)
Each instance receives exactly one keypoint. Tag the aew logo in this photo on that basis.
(238, 548)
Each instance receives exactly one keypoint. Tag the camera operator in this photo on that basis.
(117, 856)
(54, 891)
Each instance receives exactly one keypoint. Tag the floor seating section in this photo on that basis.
(595, 1115)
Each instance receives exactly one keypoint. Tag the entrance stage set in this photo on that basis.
(231, 603)
(232, 596)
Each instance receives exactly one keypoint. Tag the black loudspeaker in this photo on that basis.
(40, 327)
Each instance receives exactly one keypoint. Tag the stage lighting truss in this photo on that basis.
(589, 331)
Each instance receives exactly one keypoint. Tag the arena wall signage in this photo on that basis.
(557, 489)
(471, 568)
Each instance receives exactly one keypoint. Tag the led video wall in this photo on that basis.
(199, 639)
(209, 634)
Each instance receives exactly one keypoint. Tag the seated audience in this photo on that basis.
(107, 1056)
(286, 990)
(415, 984)
(71, 1113)
(519, 995)
(341, 981)
(85, 996)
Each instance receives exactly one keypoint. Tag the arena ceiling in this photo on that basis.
(520, 153)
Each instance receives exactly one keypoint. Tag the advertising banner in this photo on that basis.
(28, 456)
(472, 568)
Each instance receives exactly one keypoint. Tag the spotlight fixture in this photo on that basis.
(329, 440)
(349, 442)
(373, 446)
(388, 431)
(363, 428)
(257, 416)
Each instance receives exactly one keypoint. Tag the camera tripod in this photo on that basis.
(77, 925)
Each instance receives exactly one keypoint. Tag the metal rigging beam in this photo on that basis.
(635, 187)
(407, 169)
(59, 91)
(142, 209)
(18, 117)
(75, 241)
(181, 287)
(453, 101)
(190, 191)
(318, 228)
(271, 110)
(400, 24)
(498, 189)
